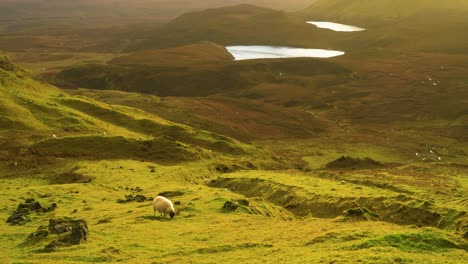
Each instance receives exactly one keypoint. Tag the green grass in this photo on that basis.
(201, 232)
(44, 62)
(427, 240)
(291, 209)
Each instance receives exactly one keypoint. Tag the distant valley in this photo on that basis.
(269, 153)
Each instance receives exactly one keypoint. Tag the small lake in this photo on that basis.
(336, 26)
(273, 52)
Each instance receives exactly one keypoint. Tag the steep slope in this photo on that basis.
(28, 103)
(41, 120)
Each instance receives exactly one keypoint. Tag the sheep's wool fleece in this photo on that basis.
(163, 205)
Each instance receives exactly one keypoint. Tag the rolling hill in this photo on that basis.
(47, 122)
(386, 10)
(122, 10)
(198, 53)
(391, 26)
(236, 25)
(355, 159)
(401, 26)
(195, 77)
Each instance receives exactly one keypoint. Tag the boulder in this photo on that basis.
(230, 206)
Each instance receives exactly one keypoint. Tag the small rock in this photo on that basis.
(41, 233)
(231, 206)
(139, 198)
(243, 202)
(250, 165)
(222, 168)
(59, 226)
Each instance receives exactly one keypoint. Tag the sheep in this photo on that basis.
(163, 206)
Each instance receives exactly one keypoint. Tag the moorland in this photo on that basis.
(360, 158)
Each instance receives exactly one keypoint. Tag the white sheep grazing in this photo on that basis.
(163, 206)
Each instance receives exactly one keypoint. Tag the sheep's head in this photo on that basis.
(171, 214)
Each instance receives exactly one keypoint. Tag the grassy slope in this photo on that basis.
(385, 100)
(270, 229)
(237, 25)
(399, 25)
(36, 110)
(293, 216)
(385, 9)
(238, 118)
(182, 78)
(204, 52)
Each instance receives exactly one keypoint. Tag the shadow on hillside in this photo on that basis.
(157, 218)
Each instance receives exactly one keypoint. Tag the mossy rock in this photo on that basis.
(71, 231)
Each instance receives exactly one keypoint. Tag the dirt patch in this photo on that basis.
(345, 162)
(69, 177)
(169, 194)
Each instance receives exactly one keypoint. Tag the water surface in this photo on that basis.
(273, 52)
(335, 26)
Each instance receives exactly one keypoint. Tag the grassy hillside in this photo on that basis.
(386, 9)
(50, 123)
(121, 10)
(239, 118)
(363, 112)
(391, 26)
(356, 159)
(400, 26)
(183, 77)
(237, 25)
(204, 52)
(283, 216)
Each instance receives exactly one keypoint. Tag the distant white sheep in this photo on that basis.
(54, 136)
(163, 206)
